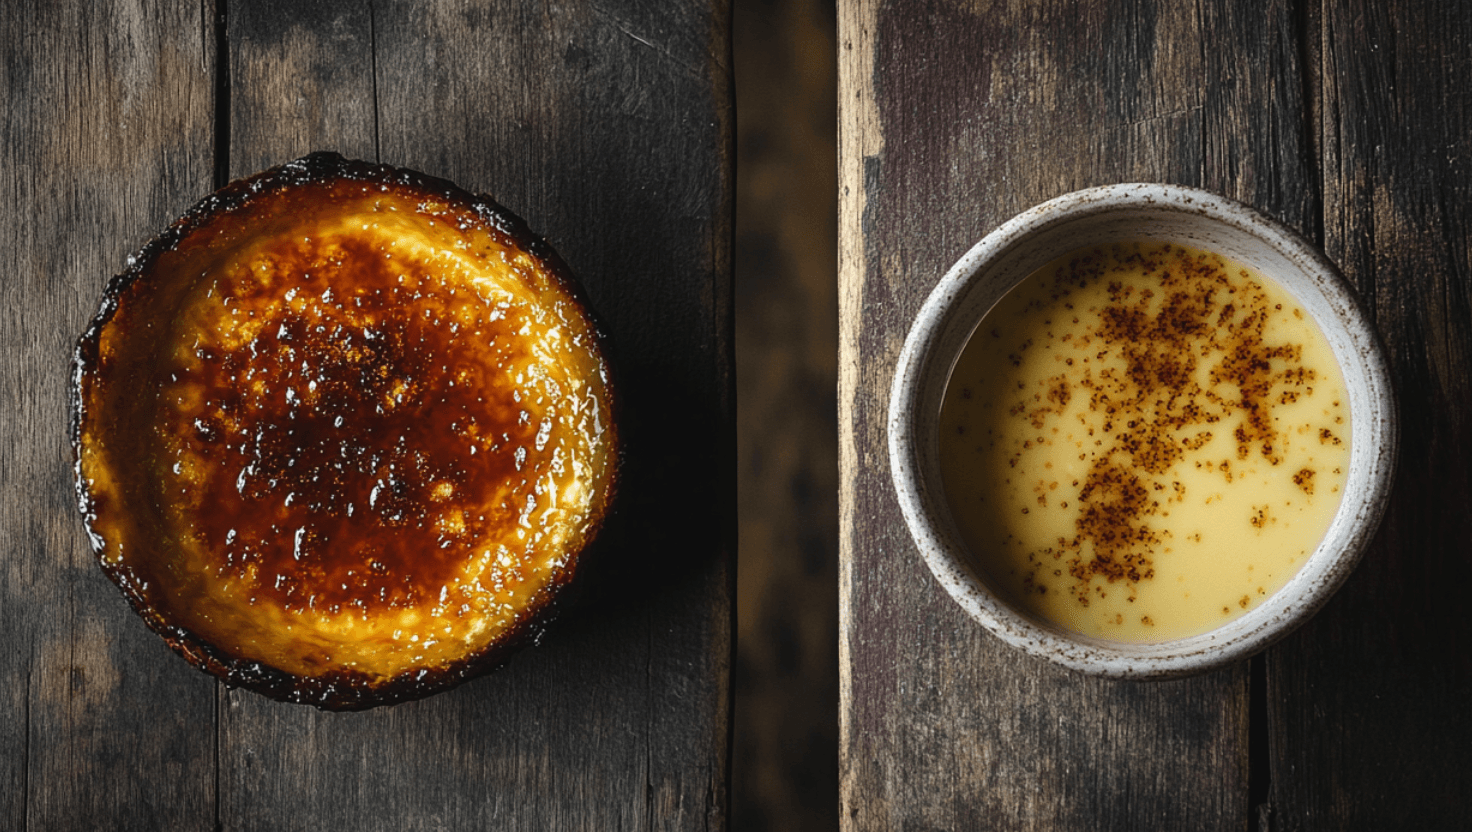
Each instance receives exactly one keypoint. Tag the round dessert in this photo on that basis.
(344, 433)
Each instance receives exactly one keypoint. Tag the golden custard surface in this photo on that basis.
(376, 431)
(1142, 441)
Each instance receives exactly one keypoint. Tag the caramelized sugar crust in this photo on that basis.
(344, 432)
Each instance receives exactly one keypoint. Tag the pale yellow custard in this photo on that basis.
(1141, 442)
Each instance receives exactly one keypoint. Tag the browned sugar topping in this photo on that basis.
(349, 448)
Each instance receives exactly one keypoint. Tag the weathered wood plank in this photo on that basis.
(301, 78)
(105, 114)
(607, 128)
(1369, 700)
(954, 117)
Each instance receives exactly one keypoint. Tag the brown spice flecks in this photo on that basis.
(1304, 479)
(1327, 437)
(1161, 405)
(1259, 518)
(1059, 392)
(1195, 442)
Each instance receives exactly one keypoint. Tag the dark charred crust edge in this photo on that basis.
(341, 691)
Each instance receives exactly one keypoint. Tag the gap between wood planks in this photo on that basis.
(222, 94)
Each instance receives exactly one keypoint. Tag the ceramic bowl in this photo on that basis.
(1161, 213)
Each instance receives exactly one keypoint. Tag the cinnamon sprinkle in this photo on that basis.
(1195, 317)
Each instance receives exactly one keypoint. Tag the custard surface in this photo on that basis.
(347, 427)
(1142, 442)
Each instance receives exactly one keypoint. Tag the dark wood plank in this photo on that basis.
(607, 128)
(105, 135)
(1369, 713)
(954, 117)
(784, 767)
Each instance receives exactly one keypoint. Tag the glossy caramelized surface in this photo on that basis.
(350, 429)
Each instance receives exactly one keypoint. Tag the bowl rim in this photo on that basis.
(1374, 432)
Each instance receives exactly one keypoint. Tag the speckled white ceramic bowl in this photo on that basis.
(1166, 213)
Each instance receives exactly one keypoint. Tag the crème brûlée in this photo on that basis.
(344, 433)
(1142, 442)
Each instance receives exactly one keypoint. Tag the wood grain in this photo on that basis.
(953, 117)
(1368, 702)
(106, 132)
(608, 127)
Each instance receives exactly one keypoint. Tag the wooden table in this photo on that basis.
(1349, 121)
(608, 127)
